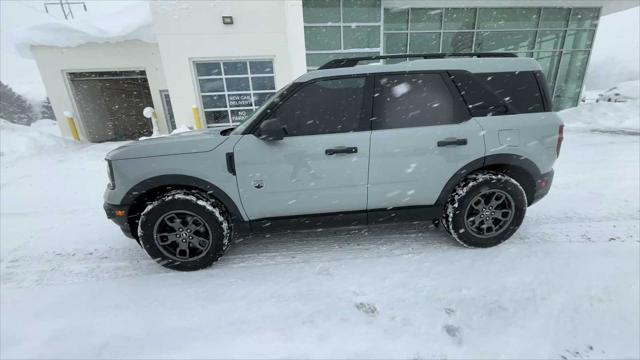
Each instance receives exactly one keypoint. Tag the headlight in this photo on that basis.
(112, 182)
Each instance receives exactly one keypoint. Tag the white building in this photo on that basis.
(227, 57)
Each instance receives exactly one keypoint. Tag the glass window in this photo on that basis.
(360, 11)
(321, 11)
(238, 116)
(459, 18)
(424, 42)
(549, 62)
(396, 19)
(261, 98)
(208, 69)
(505, 40)
(361, 37)
(554, 18)
(549, 39)
(211, 85)
(508, 18)
(240, 100)
(579, 39)
(323, 107)
(425, 19)
(570, 75)
(238, 84)
(216, 117)
(262, 83)
(518, 90)
(261, 67)
(412, 100)
(214, 101)
(235, 68)
(322, 37)
(584, 18)
(395, 43)
(457, 42)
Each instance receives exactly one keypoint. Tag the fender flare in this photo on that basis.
(497, 159)
(183, 180)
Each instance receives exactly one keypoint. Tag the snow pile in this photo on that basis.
(47, 126)
(18, 141)
(629, 88)
(604, 116)
(131, 23)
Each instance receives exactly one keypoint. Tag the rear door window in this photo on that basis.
(412, 100)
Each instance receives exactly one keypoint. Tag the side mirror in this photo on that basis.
(271, 130)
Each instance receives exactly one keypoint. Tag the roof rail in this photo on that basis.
(350, 62)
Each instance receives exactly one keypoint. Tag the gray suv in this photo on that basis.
(465, 140)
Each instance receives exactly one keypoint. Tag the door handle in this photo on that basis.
(452, 141)
(341, 150)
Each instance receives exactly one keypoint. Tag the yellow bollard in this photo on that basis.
(196, 118)
(72, 126)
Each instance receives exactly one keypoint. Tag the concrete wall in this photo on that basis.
(54, 63)
(193, 30)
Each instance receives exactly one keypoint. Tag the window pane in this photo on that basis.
(263, 83)
(549, 62)
(508, 18)
(426, 19)
(424, 42)
(216, 117)
(395, 43)
(554, 18)
(570, 75)
(240, 100)
(459, 19)
(584, 18)
(261, 67)
(321, 11)
(414, 100)
(208, 69)
(214, 101)
(322, 37)
(211, 85)
(457, 42)
(323, 107)
(579, 39)
(238, 84)
(549, 39)
(505, 40)
(361, 37)
(235, 68)
(316, 60)
(239, 116)
(518, 90)
(363, 11)
(396, 19)
(261, 98)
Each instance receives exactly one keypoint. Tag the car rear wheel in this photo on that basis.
(485, 209)
(184, 231)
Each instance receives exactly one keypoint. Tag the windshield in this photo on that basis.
(238, 130)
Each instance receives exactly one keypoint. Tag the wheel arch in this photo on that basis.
(520, 168)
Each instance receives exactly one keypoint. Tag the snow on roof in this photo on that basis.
(130, 23)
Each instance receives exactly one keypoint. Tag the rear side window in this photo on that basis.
(323, 107)
(411, 100)
(501, 93)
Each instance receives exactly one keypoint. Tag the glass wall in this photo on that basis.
(559, 38)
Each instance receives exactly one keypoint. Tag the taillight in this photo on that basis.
(560, 138)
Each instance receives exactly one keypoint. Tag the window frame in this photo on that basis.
(451, 87)
(364, 123)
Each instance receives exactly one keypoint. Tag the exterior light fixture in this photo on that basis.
(227, 20)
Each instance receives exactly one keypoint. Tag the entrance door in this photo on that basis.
(421, 136)
(303, 173)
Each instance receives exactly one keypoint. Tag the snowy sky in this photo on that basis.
(615, 56)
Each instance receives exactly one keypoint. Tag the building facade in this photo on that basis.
(226, 58)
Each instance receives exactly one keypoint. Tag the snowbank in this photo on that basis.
(604, 116)
(131, 23)
(18, 141)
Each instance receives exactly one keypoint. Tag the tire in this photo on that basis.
(184, 231)
(485, 209)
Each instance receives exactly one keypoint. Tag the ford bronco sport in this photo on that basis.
(466, 140)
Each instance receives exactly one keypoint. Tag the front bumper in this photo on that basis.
(119, 214)
(543, 185)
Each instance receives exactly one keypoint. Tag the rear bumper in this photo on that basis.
(543, 185)
(119, 214)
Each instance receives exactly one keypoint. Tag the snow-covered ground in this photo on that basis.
(565, 286)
